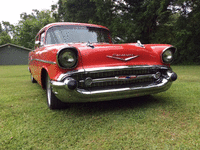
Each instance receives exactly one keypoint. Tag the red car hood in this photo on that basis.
(107, 55)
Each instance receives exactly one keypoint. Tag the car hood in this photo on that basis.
(107, 55)
(110, 55)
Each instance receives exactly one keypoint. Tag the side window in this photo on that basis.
(42, 39)
(36, 39)
(50, 38)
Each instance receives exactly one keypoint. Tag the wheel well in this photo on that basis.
(43, 78)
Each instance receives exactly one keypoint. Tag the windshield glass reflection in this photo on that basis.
(77, 34)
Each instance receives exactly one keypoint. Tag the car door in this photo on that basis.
(36, 57)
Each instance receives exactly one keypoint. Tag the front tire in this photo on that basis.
(52, 101)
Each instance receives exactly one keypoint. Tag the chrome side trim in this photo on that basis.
(44, 61)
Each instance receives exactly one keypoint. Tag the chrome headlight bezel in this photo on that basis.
(67, 58)
(167, 55)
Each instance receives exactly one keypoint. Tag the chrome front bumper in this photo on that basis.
(67, 91)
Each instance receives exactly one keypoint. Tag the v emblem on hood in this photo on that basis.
(117, 56)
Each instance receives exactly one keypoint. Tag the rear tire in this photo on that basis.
(52, 101)
(32, 79)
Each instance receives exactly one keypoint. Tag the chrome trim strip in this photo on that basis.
(44, 61)
(82, 91)
(62, 76)
(102, 69)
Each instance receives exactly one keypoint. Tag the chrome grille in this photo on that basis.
(80, 77)
(113, 83)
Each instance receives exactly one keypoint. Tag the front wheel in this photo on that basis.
(52, 101)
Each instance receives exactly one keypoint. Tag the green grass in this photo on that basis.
(168, 120)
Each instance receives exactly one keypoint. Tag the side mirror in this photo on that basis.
(37, 43)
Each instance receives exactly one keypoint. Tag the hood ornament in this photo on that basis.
(128, 56)
(139, 44)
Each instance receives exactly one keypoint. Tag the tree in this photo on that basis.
(187, 31)
(75, 10)
(144, 17)
(4, 38)
(129, 20)
(29, 25)
(1, 28)
(6, 33)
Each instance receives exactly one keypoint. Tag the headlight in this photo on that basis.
(168, 56)
(67, 58)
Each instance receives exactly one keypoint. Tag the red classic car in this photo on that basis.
(77, 62)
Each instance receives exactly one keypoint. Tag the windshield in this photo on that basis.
(77, 34)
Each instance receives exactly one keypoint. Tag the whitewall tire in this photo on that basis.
(52, 101)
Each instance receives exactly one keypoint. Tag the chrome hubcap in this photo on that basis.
(48, 92)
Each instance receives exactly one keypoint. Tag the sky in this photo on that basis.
(10, 10)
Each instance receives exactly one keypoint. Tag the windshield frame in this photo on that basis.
(87, 26)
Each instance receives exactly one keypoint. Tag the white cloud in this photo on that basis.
(10, 10)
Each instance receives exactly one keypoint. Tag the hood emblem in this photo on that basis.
(127, 56)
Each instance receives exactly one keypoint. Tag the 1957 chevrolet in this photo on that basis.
(77, 62)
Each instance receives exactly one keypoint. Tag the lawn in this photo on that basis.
(168, 120)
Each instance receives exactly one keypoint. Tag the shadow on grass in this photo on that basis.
(115, 105)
